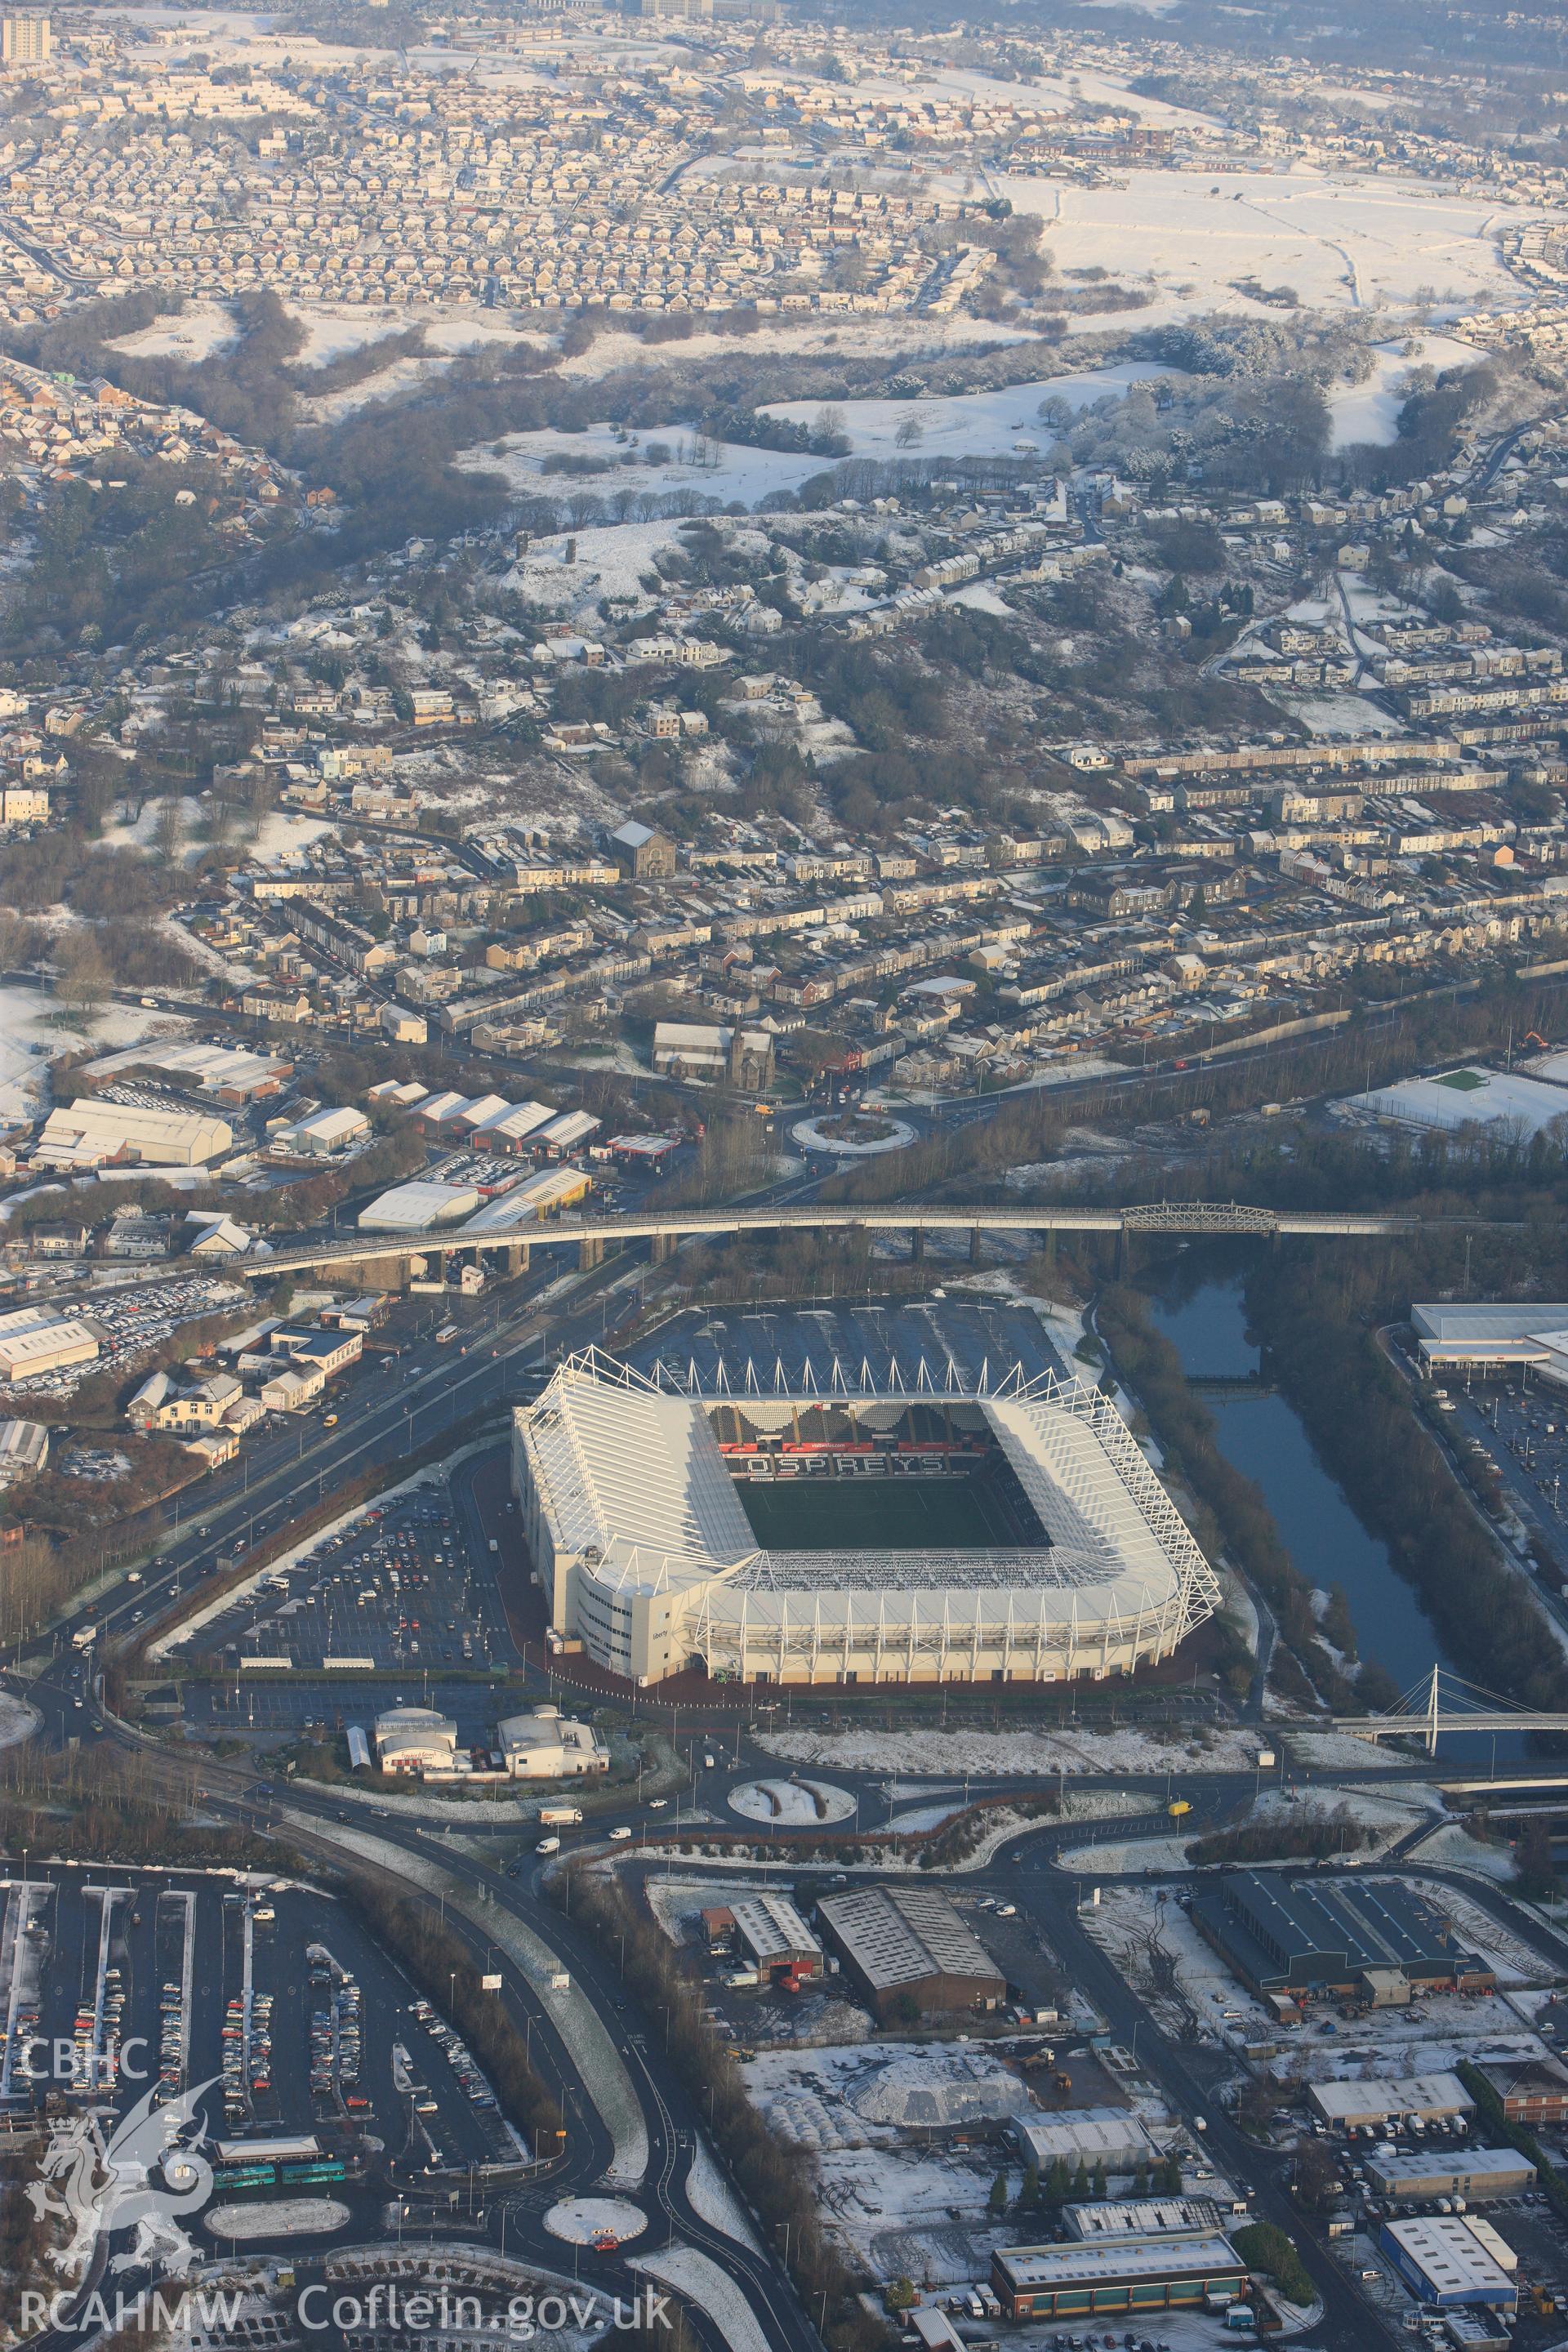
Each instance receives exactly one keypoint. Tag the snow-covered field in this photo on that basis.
(1452, 1846)
(1135, 1926)
(281, 834)
(24, 1037)
(34, 1026)
(1340, 241)
(925, 1817)
(1083, 80)
(141, 831)
(1013, 1754)
(1339, 1751)
(1341, 714)
(970, 424)
(1369, 411)
(1124, 1857)
(963, 425)
(198, 330)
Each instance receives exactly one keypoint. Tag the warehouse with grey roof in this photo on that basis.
(906, 1947)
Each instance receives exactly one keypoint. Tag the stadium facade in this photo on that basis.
(635, 1500)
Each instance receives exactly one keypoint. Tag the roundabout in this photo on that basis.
(792, 1804)
(605, 2222)
(854, 1135)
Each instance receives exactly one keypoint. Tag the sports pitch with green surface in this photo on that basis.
(875, 1514)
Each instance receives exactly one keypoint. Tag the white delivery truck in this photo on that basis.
(560, 1817)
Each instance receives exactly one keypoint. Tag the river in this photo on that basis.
(1264, 1438)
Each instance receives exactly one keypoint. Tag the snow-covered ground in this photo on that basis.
(969, 425)
(903, 2208)
(960, 425)
(281, 834)
(584, 2221)
(295, 2216)
(193, 334)
(712, 2197)
(1429, 2038)
(1370, 411)
(698, 2278)
(676, 1901)
(34, 1027)
(19, 1720)
(1453, 1848)
(1014, 1754)
(1387, 1818)
(1124, 1857)
(792, 1804)
(1343, 713)
(925, 1817)
(1342, 241)
(1339, 1751)
(1107, 1804)
(1135, 1928)
(24, 1037)
(142, 831)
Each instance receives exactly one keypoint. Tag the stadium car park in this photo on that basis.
(277, 1991)
(405, 1588)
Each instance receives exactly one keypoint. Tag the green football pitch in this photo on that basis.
(876, 1514)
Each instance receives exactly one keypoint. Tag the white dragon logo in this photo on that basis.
(102, 2185)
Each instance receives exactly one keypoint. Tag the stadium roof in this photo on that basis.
(636, 1484)
(634, 1473)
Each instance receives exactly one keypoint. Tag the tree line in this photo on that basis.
(1233, 1517)
(778, 2182)
(1318, 1320)
(442, 1966)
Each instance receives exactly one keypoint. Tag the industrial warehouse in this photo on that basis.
(1289, 1940)
(908, 1952)
(1123, 2277)
(1012, 1536)
(1471, 1337)
(1478, 2175)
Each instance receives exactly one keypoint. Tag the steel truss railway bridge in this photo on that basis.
(665, 1230)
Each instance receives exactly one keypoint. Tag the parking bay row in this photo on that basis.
(112, 1981)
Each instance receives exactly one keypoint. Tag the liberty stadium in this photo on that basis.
(849, 1529)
